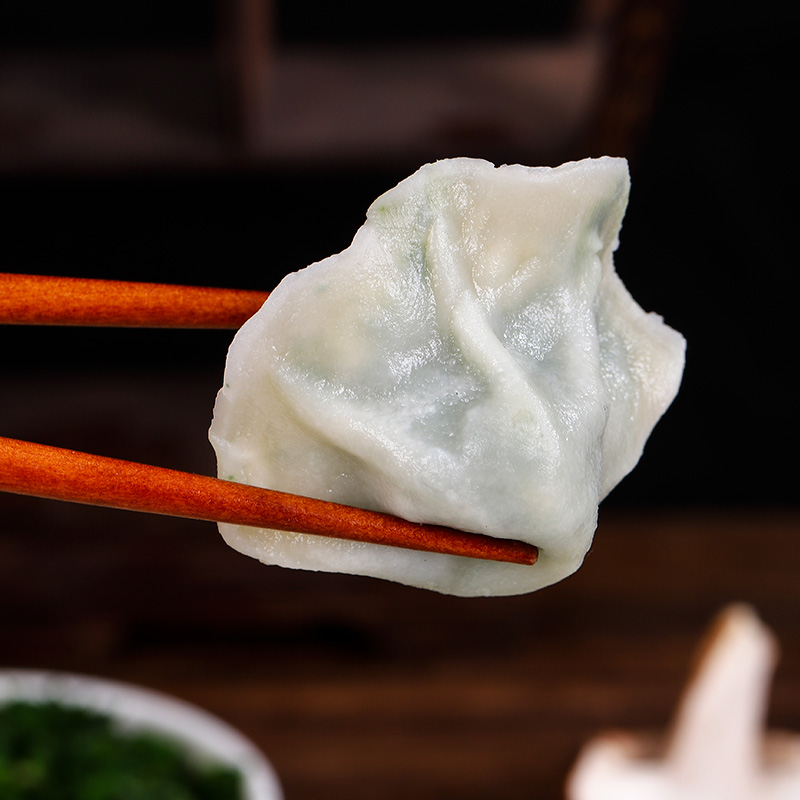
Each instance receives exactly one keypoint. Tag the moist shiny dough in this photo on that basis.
(471, 360)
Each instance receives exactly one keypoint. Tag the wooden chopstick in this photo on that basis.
(40, 470)
(51, 300)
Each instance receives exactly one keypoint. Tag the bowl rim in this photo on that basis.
(135, 707)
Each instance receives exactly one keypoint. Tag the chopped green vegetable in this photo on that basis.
(51, 751)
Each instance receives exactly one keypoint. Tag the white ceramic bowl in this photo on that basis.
(135, 708)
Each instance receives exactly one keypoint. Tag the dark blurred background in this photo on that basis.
(228, 142)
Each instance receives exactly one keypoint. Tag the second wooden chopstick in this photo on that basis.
(51, 300)
(39, 470)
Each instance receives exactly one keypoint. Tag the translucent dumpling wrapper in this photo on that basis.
(471, 360)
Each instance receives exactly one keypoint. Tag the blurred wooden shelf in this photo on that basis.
(151, 109)
(248, 100)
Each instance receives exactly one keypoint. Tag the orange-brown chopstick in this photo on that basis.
(42, 471)
(50, 300)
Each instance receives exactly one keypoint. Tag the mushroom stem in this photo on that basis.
(715, 743)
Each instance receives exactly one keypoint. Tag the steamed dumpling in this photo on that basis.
(471, 360)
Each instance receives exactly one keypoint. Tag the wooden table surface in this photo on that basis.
(356, 688)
